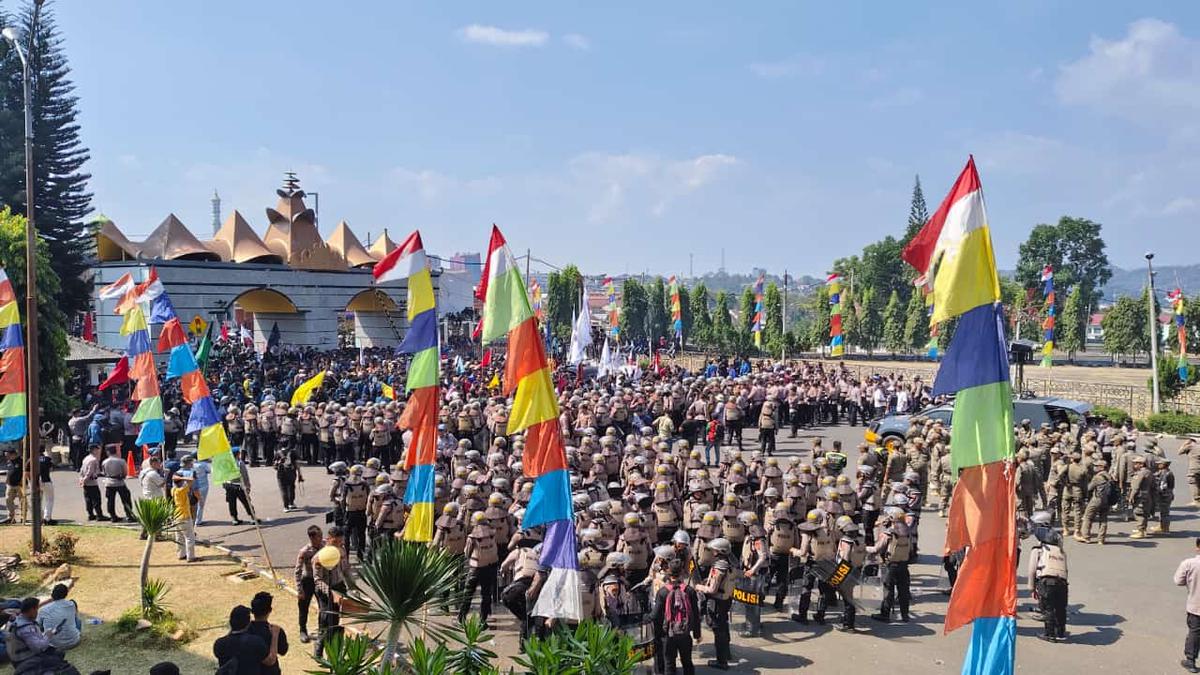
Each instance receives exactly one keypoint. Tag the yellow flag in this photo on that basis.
(305, 391)
(198, 325)
(388, 392)
(495, 383)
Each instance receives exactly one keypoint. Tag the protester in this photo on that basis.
(185, 495)
(273, 635)
(240, 652)
(1188, 574)
(59, 617)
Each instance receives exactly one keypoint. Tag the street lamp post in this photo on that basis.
(1153, 334)
(33, 436)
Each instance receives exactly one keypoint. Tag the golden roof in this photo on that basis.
(383, 245)
(237, 242)
(293, 236)
(112, 244)
(348, 246)
(171, 240)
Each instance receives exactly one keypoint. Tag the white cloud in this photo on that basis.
(792, 66)
(1150, 76)
(577, 41)
(1179, 206)
(499, 37)
(432, 186)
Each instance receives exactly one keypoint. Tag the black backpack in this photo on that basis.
(1109, 495)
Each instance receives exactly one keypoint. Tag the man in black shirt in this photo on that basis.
(260, 607)
(246, 651)
(14, 496)
(676, 620)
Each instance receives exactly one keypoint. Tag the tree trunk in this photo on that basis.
(393, 642)
(145, 569)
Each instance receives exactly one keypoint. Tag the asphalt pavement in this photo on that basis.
(1125, 615)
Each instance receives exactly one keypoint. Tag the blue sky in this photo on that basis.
(624, 136)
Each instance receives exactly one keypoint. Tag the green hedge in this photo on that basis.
(1171, 423)
(1111, 413)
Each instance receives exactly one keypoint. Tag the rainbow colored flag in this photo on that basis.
(613, 307)
(1051, 312)
(535, 295)
(676, 308)
(953, 254)
(421, 412)
(507, 314)
(757, 328)
(1175, 297)
(836, 346)
(142, 369)
(13, 423)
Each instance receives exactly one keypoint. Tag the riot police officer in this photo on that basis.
(718, 589)
(1048, 577)
(894, 546)
(353, 499)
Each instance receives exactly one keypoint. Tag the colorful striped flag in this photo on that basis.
(142, 369)
(1051, 312)
(213, 444)
(535, 295)
(677, 308)
(507, 314)
(836, 346)
(421, 413)
(613, 307)
(953, 253)
(1175, 297)
(13, 423)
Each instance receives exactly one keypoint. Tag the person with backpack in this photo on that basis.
(1104, 494)
(1048, 577)
(676, 620)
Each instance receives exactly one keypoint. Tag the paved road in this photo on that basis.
(1125, 613)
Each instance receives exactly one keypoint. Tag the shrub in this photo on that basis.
(154, 604)
(58, 549)
(1171, 423)
(1113, 414)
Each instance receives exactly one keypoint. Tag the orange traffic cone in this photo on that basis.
(130, 467)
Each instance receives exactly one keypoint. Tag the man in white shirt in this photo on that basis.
(1188, 575)
(59, 619)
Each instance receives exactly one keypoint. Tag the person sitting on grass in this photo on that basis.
(59, 618)
(29, 648)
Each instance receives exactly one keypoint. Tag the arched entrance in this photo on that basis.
(258, 311)
(372, 319)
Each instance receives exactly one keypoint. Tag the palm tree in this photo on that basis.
(399, 582)
(156, 516)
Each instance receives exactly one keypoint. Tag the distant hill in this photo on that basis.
(1132, 281)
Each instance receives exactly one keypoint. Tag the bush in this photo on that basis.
(58, 549)
(1175, 423)
(1113, 414)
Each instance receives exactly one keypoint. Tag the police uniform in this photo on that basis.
(781, 539)
(719, 591)
(1048, 578)
(895, 548)
(354, 500)
(482, 566)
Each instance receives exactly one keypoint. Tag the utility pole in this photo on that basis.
(783, 338)
(33, 428)
(1153, 332)
(528, 256)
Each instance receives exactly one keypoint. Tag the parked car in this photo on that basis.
(1038, 410)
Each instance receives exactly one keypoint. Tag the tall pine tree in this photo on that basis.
(61, 197)
(918, 215)
(893, 325)
(1071, 325)
(701, 317)
(916, 323)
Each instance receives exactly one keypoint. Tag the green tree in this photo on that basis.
(870, 321)
(918, 215)
(702, 323)
(685, 314)
(723, 332)
(883, 270)
(1074, 249)
(916, 323)
(634, 310)
(1022, 311)
(773, 321)
(746, 312)
(819, 328)
(157, 516)
(399, 582)
(1125, 327)
(563, 293)
(658, 323)
(60, 187)
(1071, 324)
(52, 324)
(851, 319)
(893, 325)
(946, 333)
